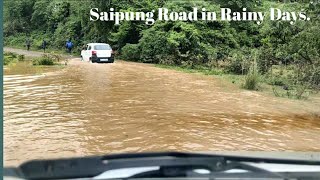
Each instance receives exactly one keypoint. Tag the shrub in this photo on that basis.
(293, 91)
(266, 59)
(239, 61)
(54, 56)
(10, 57)
(238, 65)
(168, 60)
(7, 60)
(11, 54)
(252, 79)
(130, 52)
(16, 40)
(45, 60)
(20, 57)
(187, 64)
(154, 47)
(277, 80)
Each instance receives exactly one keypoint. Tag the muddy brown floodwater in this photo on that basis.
(89, 109)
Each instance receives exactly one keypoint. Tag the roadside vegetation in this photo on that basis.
(283, 57)
(45, 60)
(252, 79)
(10, 58)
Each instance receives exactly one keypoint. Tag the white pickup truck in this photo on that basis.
(97, 52)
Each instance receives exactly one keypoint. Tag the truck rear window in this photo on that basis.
(102, 47)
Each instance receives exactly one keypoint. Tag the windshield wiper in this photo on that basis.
(171, 164)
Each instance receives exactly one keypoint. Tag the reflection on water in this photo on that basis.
(88, 109)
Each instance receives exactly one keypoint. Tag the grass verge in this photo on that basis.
(251, 81)
(10, 58)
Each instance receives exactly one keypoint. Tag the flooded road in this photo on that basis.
(89, 109)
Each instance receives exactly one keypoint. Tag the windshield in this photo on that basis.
(102, 47)
(92, 78)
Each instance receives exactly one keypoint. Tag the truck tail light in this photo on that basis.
(94, 52)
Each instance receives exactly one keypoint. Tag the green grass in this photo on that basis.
(47, 60)
(237, 80)
(10, 58)
(197, 69)
(43, 62)
(219, 73)
(251, 81)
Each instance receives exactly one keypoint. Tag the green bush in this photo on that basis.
(238, 64)
(130, 52)
(11, 54)
(20, 57)
(37, 43)
(8, 60)
(167, 60)
(10, 57)
(252, 79)
(154, 46)
(18, 40)
(292, 91)
(277, 80)
(45, 60)
(54, 56)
